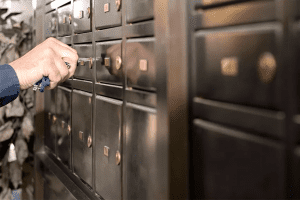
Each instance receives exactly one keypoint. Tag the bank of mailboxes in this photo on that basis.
(78, 116)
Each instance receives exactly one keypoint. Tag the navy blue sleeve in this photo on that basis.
(9, 84)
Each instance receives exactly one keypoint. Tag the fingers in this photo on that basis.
(62, 44)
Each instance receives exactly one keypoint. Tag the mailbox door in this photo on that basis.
(82, 16)
(50, 24)
(139, 10)
(84, 68)
(65, 20)
(107, 14)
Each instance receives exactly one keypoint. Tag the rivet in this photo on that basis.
(89, 142)
(118, 62)
(267, 67)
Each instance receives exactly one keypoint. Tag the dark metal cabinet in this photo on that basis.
(108, 14)
(82, 16)
(50, 24)
(234, 165)
(50, 119)
(65, 20)
(108, 136)
(84, 68)
(211, 2)
(139, 10)
(82, 135)
(109, 68)
(240, 13)
(140, 64)
(63, 109)
(140, 152)
(239, 66)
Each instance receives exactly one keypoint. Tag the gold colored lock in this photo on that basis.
(69, 129)
(118, 62)
(266, 67)
(89, 12)
(118, 158)
(70, 19)
(54, 119)
(89, 142)
(91, 63)
(118, 4)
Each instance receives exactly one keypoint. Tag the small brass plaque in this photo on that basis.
(106, 151)
(230, 66)
(106, 7)
(107, 62)
(143, 65)
(81, 135)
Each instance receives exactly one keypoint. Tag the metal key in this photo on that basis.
(44, 82)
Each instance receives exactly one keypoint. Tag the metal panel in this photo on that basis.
(201, 3)
(108, 136)
(113, 91)
(82, 16)
(139, 10)
(107, 14)
(50, 119)
(64, 20)
(140, 152)
(140, 30)
(141, 97)
(50, 24)
(66, 40)
(84, 68)
(235, 165)
(264, 122)
(48, 1)
(82, 85)
(63, 109)
(83, 38)
(242, 13)
(108, 34)
(140, 63)
(81, 131)
(107, 68)
(239, 66)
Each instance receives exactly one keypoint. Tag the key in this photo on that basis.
(12, 156)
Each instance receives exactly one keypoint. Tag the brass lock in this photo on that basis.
(70, 19)
(89, 12)
(54, 119)
(89, 142)
(91, 63)
(267, 67)
(118, 158)
(118, 62)
(69, 129)
(63, 124)
(118, 4)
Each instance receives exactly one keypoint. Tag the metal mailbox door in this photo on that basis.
(50, 24)
(82, 135)
(82, 16)
(140, 145)
(140, 63)
(238, 66)
(84, 68)
(63, 110)
(139, 10)
(108, 13)
(109, 69)
(235, 165)
(108, 134)
(65, 20)
(50, 117)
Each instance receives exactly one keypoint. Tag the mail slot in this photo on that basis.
(82, 135)
(63, 110)
(84, 68)
(109, 70)
(82, 16)
(108, 147)
(50, 119)
(140, 64)
(65, 20)
(140, 151)
(235, 164)
(139, 10)
(239, 66)
(50, 26)
(108, 13)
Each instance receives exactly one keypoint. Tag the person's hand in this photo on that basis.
(46, 59)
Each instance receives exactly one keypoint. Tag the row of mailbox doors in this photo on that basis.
(108, 14)
(68, 134)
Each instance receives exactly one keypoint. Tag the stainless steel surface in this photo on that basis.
(212, 2)
(63, 110)
(82, 121)
(108, 133)
(140, 29)
(83, 38)
(85, 54)
(113, 91)
(107, 14)
(82, 85)
(148, 99)
(118, 62)
(108, 34)
(64, 26)
(242, 13)
(140, 151)
(107, 71)
(50, 27)
(137, 49)
(246, 160)
(139, 10)
(66, 40)
(246, 45)
(81, 13)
